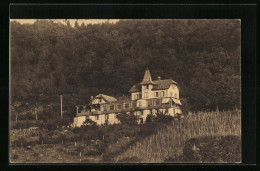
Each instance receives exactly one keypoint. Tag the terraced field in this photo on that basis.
(169, 143)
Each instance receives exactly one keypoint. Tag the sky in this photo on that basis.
(72, 21)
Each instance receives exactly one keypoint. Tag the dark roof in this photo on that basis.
(163, 84)
(147, 78)
(135, 88)
(159, 85)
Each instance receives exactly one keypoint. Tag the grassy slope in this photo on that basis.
(170, 141)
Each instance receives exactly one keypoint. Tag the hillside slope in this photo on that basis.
(170, 142)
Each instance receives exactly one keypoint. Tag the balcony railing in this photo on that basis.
(118, 107)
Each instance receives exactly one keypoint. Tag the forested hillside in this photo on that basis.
(49, 59)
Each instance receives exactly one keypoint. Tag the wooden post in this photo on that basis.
(61, 106)
(77, 109)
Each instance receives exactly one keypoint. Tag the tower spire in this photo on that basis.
(147, 77)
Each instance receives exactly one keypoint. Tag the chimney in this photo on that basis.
(159, 78)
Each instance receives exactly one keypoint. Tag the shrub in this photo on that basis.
(65, 121)
(90, 122)
(129, 119)
(161, 118)
(212, 149)
(51, 124)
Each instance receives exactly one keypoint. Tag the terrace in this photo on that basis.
(127, 106)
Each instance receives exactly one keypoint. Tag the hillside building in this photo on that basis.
(147, 97)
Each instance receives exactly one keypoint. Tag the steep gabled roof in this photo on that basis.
(105, 97)
(135, 88)
(158, 85)
(147, 78)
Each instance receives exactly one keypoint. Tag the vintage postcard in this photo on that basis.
(125, 91)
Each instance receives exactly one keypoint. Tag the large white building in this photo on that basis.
(147, 97)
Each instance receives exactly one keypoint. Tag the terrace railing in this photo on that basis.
(130, 105)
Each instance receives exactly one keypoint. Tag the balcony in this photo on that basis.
(155, 103)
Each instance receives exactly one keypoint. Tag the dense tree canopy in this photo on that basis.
(49, 59)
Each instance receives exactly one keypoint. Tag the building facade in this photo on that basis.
(147, 97)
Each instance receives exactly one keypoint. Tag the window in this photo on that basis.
(162, 93)
(145, 95)
(150, 102)
(146, 86)
(119, 106)
(156, 94)
(97, 117)
(111, 107)
(126, 105)
(157, 102)
(99, 100)
(136, 96)
(105, 108)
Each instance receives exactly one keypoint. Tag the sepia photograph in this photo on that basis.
(125, 91)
